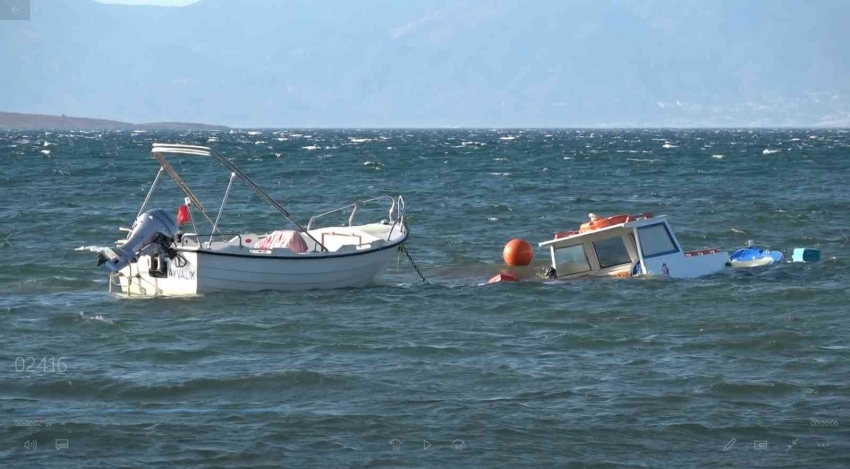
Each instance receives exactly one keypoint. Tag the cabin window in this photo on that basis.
(655, 240)
(571, 260)
(611, 252)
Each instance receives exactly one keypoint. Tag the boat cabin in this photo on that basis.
(628, 245)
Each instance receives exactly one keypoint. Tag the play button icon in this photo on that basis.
(425, 445)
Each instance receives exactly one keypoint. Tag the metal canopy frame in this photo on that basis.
(159, 151)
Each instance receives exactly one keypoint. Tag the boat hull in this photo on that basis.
(639, 245)
(206, 272)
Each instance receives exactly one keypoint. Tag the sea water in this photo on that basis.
(748, 368)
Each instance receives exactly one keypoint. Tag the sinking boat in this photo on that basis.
(754, 256)
(158, 259)
(626, 246)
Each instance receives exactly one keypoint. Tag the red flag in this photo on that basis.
(182, 214)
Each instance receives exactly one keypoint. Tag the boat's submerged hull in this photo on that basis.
(626, 245)
(205, 272)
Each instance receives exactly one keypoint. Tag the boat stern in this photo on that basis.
(158, 276)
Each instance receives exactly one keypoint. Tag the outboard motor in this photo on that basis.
(153, 233)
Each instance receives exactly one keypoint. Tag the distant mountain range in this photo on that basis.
(435, 63)
(20, 121)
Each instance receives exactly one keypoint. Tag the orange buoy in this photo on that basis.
(518, 252)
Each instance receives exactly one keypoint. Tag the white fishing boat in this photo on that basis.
(628, 245)
(158, 259)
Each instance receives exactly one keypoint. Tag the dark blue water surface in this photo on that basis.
(590, 373)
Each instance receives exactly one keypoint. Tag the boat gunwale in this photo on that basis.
(298, 257)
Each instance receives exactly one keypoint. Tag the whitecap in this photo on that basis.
(46, 152)
(310, 147)
(509, 137)
(768, 151)
(254, 132)
(259, 142)
(492, 218)
(96, 318)
(282, 139)
(717, 156)
(359, 140)
(667, 145)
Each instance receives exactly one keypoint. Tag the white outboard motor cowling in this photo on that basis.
(153, 233)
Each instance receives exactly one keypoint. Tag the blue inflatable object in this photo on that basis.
(754, 256)
(805, 255)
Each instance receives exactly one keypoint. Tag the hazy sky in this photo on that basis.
(434, 63)
(164, 3)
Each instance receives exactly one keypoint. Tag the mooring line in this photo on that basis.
(403, 249)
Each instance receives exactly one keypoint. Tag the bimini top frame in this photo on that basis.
(159, 151)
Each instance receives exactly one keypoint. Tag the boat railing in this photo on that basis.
(399, 221)
(396, 213)
(198, 236)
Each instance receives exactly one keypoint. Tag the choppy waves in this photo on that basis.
(540, 373)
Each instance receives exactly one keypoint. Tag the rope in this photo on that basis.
(403, 249)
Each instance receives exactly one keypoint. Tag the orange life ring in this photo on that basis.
(600, 223)
(610, 221)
